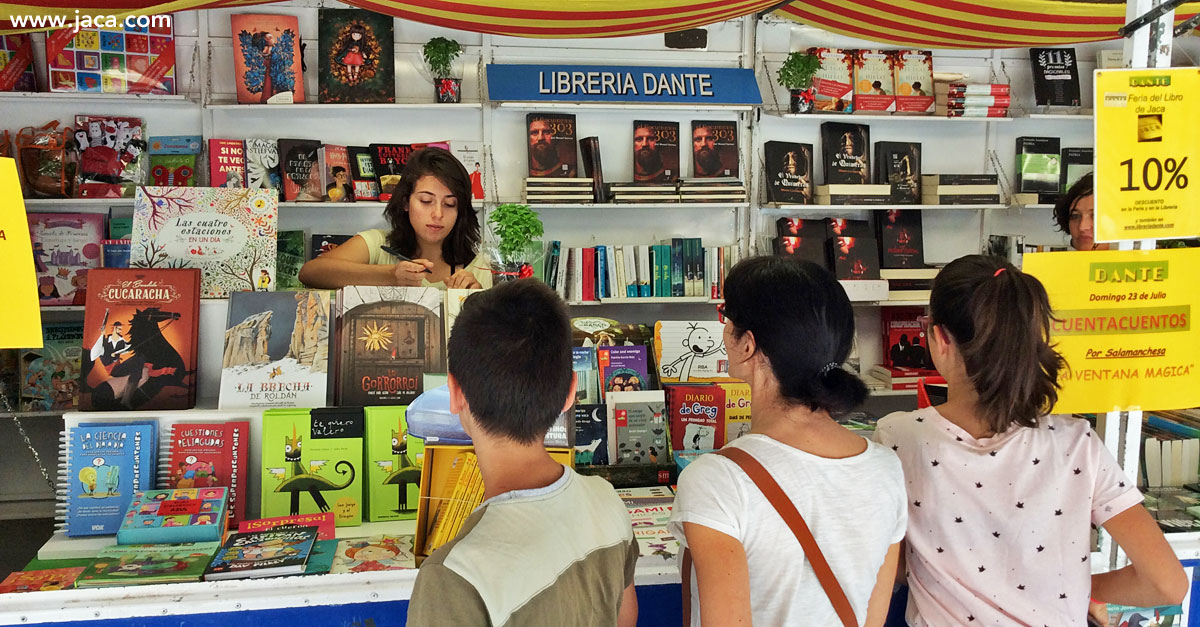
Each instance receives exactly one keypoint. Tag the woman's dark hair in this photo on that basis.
(1062, 208)
(461, 245)
(802, 322)
(1000, 319)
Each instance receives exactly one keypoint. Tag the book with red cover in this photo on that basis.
(553, 150)
(226, 163)
(900, 242)
(904, 341)
(589, 274)
(38, 580)
(697, 417)
(900, 378)
(267, 58)
(806, 248)
(211, 454)
(715, 149)
(139, 339)
(388, 161)
(335, 174)
(324, 522)
(854, 258)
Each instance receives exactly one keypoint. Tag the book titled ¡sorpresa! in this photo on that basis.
(139, 339)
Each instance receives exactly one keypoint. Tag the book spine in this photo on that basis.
(630, 272)
(962, 199)
(578, 272)
(937, 180)
(976, 112)
(564, 273)
(677, 287)
(614, 285)
(962, 102)
(979, 89)
(619, 284)
(644, 270)
(699, 285)
(601, 273)
(854, 199)
(589, 274)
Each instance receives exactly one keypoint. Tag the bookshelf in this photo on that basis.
(864, 118)
(231, 106)
(787, 210)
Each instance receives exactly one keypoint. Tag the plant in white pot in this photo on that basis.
(796, 75)
(439, 54)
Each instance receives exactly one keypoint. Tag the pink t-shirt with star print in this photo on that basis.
(999, 528)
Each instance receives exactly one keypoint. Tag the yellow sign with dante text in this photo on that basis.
(21, 322)
(1123, 322)
(1147, 139)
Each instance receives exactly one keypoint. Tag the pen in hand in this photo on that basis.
(395, 253)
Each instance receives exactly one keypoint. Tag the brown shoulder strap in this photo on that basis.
(775, 495)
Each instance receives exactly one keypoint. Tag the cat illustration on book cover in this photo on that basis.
(306, 479)
(403, 472)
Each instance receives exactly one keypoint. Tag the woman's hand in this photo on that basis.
(463, 279)
(411, 273)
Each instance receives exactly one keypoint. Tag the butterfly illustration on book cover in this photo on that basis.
(266, 60)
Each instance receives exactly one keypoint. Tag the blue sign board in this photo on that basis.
(621, 83)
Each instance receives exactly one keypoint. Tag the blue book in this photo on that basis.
(602, 272)
(321, 558)
(106, 465)
(180, 515)
(269, 553)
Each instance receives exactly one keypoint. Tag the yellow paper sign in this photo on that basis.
(1147, 137)
(21, 322)
(1124, 325)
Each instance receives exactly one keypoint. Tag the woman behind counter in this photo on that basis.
(433, 223)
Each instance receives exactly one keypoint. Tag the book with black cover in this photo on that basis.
(900, 240)
(801, 227)
(808, 248)
(301, 169)
(388, 161)
(842, 227)
(854, 258)
(1075, 163)
(899, 164)
(714, 149)
(1055, 76)
(590, 147)
(959, 179)
(844, 153)
(789, 173)
(362, 173)
(1037, 164)
(552, 149)
(655, 151)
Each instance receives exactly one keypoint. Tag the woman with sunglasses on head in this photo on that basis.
(788, 329)
(1002, 496)
(1073, 213)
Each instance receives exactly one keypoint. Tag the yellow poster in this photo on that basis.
(21, 322)
(1147, 138)
(1123, 322)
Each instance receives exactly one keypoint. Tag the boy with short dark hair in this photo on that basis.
(547, 546)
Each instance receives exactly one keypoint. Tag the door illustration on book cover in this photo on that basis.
(355, 56)
(267, 59)
(387, 346)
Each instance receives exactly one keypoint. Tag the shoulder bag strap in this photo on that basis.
(775, 495)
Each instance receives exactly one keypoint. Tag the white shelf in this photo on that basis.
(1038, 206)
(76, 202)
(892, 303)
(871, 117)
(626, 106)
(648, 206)
(649, 300)
(308, 205)
(885, 390)
(92, 97)
(783, 210)
(1186, 545)
(226, 105)
(1060, 116)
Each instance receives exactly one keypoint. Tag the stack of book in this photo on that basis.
(960, 189)
(650, 511)
(842, 194)
(909, 283)
(644, 192)
(712, 190)
(465, 489)
(974, 100)
(558, 190)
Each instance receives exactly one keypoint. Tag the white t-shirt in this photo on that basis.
(999, 528)
(854, 506)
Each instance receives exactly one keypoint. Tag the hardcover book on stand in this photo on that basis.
(209, 455)
(552, 148)
(898, 164)
(1055, 76)
(267, 58)
(789, 172)
(66, 247)
(715, 149)
(226, 163)
(913, 75)
(311, 462)
(901, 243)
(49, 376)
(270, 553)
(834, 81)
(655, 151)
(105, 465)
(844, 151)
(301, 170)
(355, 56)
(873, 76)
(389, 337)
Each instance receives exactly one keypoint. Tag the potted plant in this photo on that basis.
(515, 229)
(439, 54)
(796, 75)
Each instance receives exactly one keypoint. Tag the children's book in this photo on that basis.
(389, 338)
(66, 246)
(182, 515)
(106, 465)
(623, 369)
(289, 258)
(276, 350)
(137, 564)
(139, 340)
(16, 63)
(270, 553)
(49, 376)
(587, 375)
(323, 522)
(172, 170)
(637, 427)
(393, 465)
(311, 462)
(737, 409)
(384, 552)
(697, 417)
(454, 302)
(40, 580)
(123, 60)
(355, 56)
(591, 435)
(110, 152)
(266, 58)
(262, 165)
(688, 352)
(320, 559)
(209, 455)
(362, 173)
(229, 234)
(300, 162)
(322, 243)
(335, 174)
(226, 163)
(388, 162)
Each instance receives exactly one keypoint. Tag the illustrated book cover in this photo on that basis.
(637, 427)
(40, 580)
(855, 258)
(181, 515)
(715, 149)
(300, 163)
(623, 368)
(696, 417)
(901, 243)
(362, 173)
(904, 342)
(210, 455)
(106, 465)
(553, 151)
(591, 435)
(1038, 165)
(262, 165)
(124, 60)
(355, 56)
(655, 151)
(321, 243)
(384, 552)
(587, 374)
(474, 159)
(789, 172)
(173, 170)
(269, 553)
(16, 63)
(226, 163)
(913, 76)
(844, 153)
(289, 258)
(834, 81)
(323, 522)
(66, 246)
(110, 152)
(276, 350)
(139, 339)
(393, 465)
(311, 462)
(335, 173)
(228, 234)
(690, 351)
(899, 164)
(388, 161)
(389, 338)
(873, 76)
(266, 58)
(140, 564)
(49, 376)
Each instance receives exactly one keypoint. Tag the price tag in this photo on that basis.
(1147, 136)
(21, 325)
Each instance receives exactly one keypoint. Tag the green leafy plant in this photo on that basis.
(798, 70)
(439, 53)
(515, 226)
